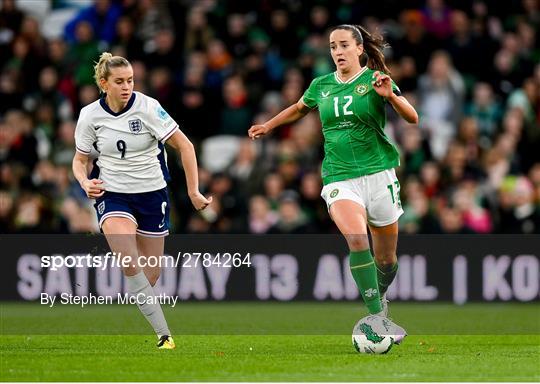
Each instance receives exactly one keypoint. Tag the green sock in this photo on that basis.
(365, 275)
(385, 276)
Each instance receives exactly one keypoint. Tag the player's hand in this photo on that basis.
(257, 131)
(93, 188)
(382, 84)
(199, 201)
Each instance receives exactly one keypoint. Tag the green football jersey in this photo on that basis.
(353, 118)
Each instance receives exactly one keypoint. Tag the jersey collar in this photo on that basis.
(109, 110)
(338, 79)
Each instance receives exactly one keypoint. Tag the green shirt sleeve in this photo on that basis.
(310, 95)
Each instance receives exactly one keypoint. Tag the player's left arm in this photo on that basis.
(185, 149)
(382, 84)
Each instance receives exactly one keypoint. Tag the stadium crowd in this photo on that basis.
(471, 69)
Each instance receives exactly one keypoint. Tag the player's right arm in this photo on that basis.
(93, 188)
(185, 148)
(85, 136)
(289, 115)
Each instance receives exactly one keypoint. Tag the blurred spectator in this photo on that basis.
(408, 74)
(518, 214)
(319, 20)
(273, 187)
(230, 207)
(485, 110)
(418, 216)
(86, 95)
(472, 165)
(6, 212)
(30, 30)
(436, 19)
(261, 217)
(475, 218)
(246, 169)
(102, 17)
(311, 202)
(441, 92)
(10, 24)
(10, 17)
(218, 64)
(454, 164)
(291, 218)
(236, 36)
(126, 40)
(150, 16)
(77, 219)
(198, 33)
(431, 179)
(236, 115)
(528, 51)
(24, 65)
(48, 92)
(415, 150)
(461, 46)
(20, 142)
(57, 58)
(165, 53)
(11, 96)
(139, 76)
(505, 144)
(414, 43)
(83, 53)
(468, 136)
(33, 214)
(526, 99)
(534, 176)
(282, 34)
(161, 87)
(504, 77)
(64, 144)
(451, 221)
(193, 113)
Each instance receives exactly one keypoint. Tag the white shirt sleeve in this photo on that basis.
(85, 135)
(161, 124)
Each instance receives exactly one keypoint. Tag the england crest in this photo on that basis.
(135, 126)
(101, 207)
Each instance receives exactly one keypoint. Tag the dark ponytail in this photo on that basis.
(373, 46)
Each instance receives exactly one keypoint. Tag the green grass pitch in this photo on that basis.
(268, 342)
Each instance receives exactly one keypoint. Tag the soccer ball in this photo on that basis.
(370, 335)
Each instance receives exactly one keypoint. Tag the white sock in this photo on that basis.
(154, 314)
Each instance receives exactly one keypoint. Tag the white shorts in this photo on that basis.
(377, 193)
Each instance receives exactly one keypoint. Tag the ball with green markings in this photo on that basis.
(370, 335)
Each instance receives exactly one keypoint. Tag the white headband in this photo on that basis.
(357, 30)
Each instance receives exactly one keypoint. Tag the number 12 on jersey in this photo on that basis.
(348, 102)
(396, 197)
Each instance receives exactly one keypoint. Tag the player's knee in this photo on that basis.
(357, 242)
(131, 270)
(385, 260)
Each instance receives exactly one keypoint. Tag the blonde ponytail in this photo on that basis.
(102, 69)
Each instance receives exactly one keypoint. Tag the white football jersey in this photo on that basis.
(132, 157)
